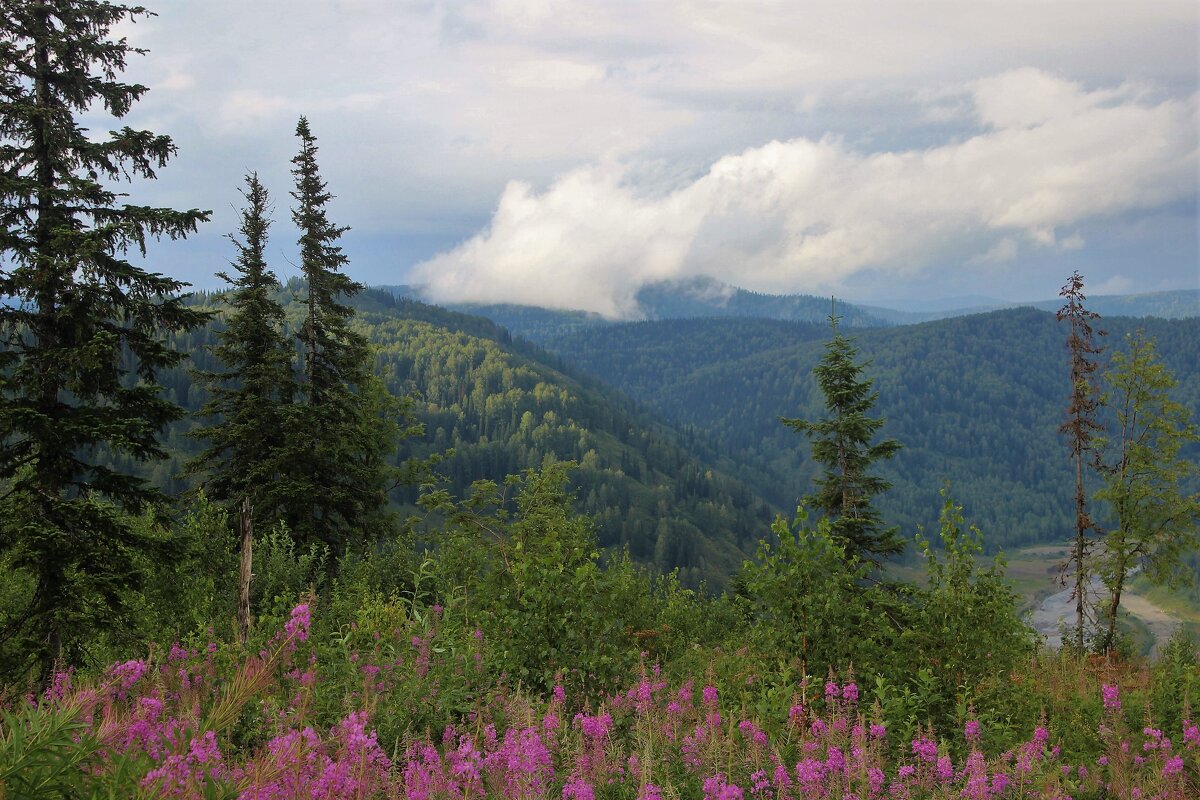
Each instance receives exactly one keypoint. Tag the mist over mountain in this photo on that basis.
(707, 297)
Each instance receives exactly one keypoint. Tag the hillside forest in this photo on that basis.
(310, 539)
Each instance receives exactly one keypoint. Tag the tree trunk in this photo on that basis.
(1110, 638)
(246, 526)
(1080, 545)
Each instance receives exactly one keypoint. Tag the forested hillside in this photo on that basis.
(975, 400)
(498, 407)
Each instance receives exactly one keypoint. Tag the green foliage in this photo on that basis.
(492, 407)
(45, 753)
(550, 609)
(247, 401)
(169, 608)
(1148, 484)
(974, 399)
(842, 445)
(335, 483)
(81, 327)
(1175, 689)
(963, 624)
(283, 572)
(807, 600)
(967, 621)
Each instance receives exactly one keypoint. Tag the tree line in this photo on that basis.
(297, 431)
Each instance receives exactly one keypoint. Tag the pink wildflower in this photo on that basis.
(298, 625)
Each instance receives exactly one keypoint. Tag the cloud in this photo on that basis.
(1117, 284)
(807, 215)
(425, 110)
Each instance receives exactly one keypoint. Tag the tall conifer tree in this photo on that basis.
(249, 400)
(1081, 427)
(842, 445)
(81, 327)
(337, 487)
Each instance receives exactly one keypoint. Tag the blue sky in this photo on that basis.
(564, 153)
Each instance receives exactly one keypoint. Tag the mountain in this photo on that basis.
(500, 405)
(675, 422)
(705, 297)
(975, 401)
(1178, 304)
(690, 298)
(702, 297)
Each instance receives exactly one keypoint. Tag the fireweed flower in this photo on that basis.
(298, 625)
(752, 733)
(835, 761)
(875, 778)
(810, 777)
(59, 687)
(129, 672)
(971, 730)
(760, 784)
(716, 788)
(1112, 698)
(832, 692)
(850, 693)
(709, 695)
(577, 788)
(925, 749)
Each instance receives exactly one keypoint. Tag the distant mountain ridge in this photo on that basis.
(707, 298)
(1177, 304)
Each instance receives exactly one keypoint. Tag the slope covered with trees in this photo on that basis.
(974, 400)
(494, 407)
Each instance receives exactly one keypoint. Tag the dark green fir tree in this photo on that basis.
(842, 445)
(250, 399)
(338, 484)
(81, 329)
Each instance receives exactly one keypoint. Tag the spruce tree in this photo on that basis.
(337, 485)
(81, 327)
(249, 400)
(841, 443)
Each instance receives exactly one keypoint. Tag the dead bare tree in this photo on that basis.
(1080, 429)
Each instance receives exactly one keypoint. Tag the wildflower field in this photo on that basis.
(415, 713)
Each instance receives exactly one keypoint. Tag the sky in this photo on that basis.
(564, 153)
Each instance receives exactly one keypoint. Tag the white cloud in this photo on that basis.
(1117, 284)
(426, 109)
(807, 215)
